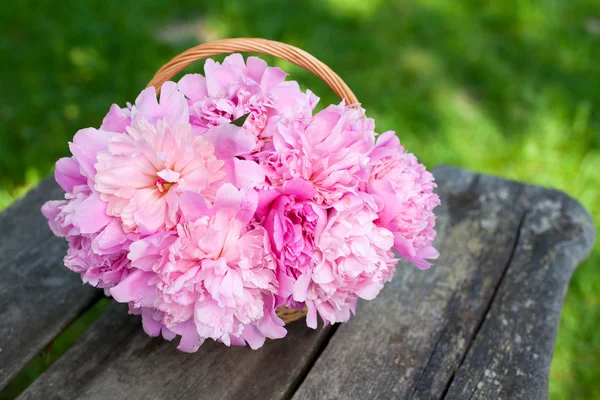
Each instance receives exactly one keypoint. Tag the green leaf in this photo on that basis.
(240, 121)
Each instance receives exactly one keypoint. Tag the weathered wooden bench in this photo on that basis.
(481, 324)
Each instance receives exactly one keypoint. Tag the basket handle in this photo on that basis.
(263, 46)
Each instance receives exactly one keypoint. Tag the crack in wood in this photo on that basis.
(487, 310)
(293, 388)
(437, 343)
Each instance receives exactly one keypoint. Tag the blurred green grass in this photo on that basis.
(509, 88)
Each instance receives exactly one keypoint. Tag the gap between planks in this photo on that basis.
(316, 353)
(487, 310)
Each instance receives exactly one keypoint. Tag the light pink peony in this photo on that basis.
(143, 173)
(405, 188)
(353, 259)
(234, 88)
(217, 271)
(331, 153)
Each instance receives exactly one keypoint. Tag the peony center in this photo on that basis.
(166, 178)
(162, 185)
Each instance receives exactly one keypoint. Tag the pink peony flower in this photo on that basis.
(294, 224)
(217, 271)
(234, 88)
(353, 259)
(143, 173)
(405, 188)
(331, 153)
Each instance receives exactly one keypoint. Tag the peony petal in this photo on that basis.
(255, 68)
(240, 204)
(149, 210)
(265, 198)
(169, 175)
(111, 239)
(86, 145)
(190, 340)
(193, 206)
(91, 216)
(247, 174)
(67, 174)
(253, 336)
(193, 86)
(370, 291)
(168, 334)
(172, 106)
(301, 287)
(217, 78)
(117, 120)
(300, 188)
(151, 326)
(387, 145)
(311, 316)
(273, 76)
(135, 288)
(230, 141)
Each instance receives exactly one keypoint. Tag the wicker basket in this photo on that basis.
(262, 46)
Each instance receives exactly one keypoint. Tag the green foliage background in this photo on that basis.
(510, 88)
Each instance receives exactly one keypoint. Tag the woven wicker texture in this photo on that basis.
(253, 45)
(262, 46)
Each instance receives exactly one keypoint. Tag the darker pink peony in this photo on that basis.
(294, 223)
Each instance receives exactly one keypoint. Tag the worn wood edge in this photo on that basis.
(40, 297)
(520, 367)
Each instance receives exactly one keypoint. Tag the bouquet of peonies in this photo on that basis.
(227, 199)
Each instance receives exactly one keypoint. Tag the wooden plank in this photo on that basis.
(39, 297)
(409, 342)
(510, 357)
(115, 360)
(413, 298)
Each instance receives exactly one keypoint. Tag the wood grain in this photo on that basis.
(115, 360)
(481, 323)
(410, 341)
(39, 297)
(510, 357)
